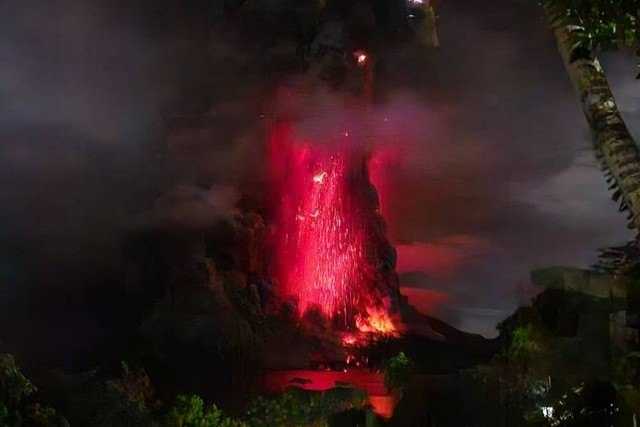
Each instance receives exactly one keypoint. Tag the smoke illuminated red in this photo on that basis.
(324, 258)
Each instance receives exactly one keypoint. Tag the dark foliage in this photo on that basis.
(598, 25)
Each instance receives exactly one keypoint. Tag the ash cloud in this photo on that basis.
(88, 92)
(480, 152)
(191, 208)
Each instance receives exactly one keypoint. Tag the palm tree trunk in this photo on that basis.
(613, 143)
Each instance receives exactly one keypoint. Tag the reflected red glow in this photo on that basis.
(349, 340)
(425, 300)
(442, 258)
(384, 164)
(383, 405)
(322, 255)
(382, 402)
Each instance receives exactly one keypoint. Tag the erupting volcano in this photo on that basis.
(331, 253)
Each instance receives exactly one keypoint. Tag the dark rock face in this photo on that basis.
(383, 254)
(206, 321)
(585, 313)
(595, 284)
(214, 259)
(384, 289)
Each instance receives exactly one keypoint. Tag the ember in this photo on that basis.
(349, 340)
(319, 178)
(361, 57)
(324, 256)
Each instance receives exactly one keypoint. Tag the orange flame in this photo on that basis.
(377, 321)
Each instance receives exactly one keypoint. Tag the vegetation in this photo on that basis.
(519, 375)
(535, 388)
(397, 372)
(127, 400)
(303, 408)
(598, 25)
(526, 346)
(17, 407)
(135, 386)
(190, 411)
(525, 367)
(627, 380)
(290, 409)
(582, 28)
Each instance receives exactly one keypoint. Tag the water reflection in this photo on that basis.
(382, 401)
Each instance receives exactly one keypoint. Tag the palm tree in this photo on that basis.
(581, 29)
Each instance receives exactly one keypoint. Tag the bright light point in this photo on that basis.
(349, 339)
(416, 1)
(319, 178)
(346, 133)
(361, 57)
(547, 411)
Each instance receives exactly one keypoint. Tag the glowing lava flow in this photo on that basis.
(377, 321)
(330, 244)
(325, 258)
(323, 244)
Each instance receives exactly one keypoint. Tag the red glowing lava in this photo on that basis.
(371, 325)
(377, 321)
(325, 226)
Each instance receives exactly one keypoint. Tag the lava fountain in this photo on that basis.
(331, 253)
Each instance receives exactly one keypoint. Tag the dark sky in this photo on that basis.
(487, 169)
(499, 177)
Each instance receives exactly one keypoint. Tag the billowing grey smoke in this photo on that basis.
(89, 91)
(493, 175)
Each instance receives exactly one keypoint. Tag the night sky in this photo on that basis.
(506, 180)
(488, 174)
